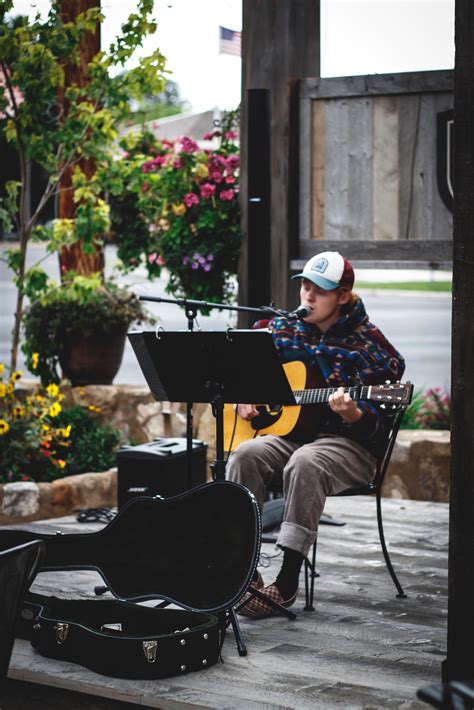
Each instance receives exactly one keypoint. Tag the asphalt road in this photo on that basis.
(418, 324)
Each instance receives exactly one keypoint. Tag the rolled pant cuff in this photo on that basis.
(297, 538)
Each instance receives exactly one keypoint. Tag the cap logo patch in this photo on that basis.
(320, 265)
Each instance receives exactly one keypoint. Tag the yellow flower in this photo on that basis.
(40, 399)
(45, 427)
(18, 411)
(61, 463)
(82, 391)
(9, 388)
(52, 390)
(16, 376)
(54, 409)
(34, 360)
(93, 408)
(201, 170)
(4, 427)
(64, 432)
(2, 367)
(179, 208)
(3, 390)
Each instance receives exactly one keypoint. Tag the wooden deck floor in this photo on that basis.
(361, 648)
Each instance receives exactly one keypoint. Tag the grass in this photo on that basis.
(439, 286)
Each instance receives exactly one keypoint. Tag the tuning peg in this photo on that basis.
(388, 382)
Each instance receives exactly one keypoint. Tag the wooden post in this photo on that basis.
(73, 257)
(460, 657)
(280, 47)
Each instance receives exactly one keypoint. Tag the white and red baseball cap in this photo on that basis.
(328, 270)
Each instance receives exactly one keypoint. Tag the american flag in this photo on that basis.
(229, 41)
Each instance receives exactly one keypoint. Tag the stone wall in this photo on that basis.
(419, 466)
(24, 502)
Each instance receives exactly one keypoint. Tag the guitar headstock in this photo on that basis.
(392, 393)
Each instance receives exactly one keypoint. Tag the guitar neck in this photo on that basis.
(319, 396)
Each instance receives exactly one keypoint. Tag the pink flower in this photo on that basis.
(188, 145)
(227, 194)
(216, 175)
(160, 261)
(145, 187)
(152, 258)
(207, 267)
(232, 162)
(230, 179)
(230, 135)
(177, 163)
(211, 135)
(207, 190)
(190, 199)
(159, 160)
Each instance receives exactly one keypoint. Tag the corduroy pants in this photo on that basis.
(309, 473)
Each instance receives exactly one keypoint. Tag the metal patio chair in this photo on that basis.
(373, 488)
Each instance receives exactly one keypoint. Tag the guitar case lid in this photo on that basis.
(198, 549)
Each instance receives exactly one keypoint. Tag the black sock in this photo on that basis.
(288, 577)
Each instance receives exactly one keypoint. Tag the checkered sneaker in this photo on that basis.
(255, 608)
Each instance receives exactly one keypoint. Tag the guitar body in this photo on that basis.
(300, 422)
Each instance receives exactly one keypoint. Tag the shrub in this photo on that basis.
(92, 446)
(428, 410)
(39, 441)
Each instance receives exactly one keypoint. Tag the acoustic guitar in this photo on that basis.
(300, 420)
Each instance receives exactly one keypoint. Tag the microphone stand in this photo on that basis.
(191, 308)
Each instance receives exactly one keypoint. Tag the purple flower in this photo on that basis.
(210, 257)
(185, 260)
(195, 265)
(207, 267)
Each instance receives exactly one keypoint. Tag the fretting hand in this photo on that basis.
(342, 403)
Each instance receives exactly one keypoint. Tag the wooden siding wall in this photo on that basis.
(370, 174)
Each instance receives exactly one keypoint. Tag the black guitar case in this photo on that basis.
(197, 550)
(18, 566)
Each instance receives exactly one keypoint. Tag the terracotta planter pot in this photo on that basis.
(92, 359)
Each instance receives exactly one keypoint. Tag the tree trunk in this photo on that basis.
(73, 257)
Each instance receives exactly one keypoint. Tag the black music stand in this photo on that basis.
(215, 367)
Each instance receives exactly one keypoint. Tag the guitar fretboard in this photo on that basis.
(319, 396)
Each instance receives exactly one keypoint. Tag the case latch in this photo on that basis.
(149, 649)
(62, 631)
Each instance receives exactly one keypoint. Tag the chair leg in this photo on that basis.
(309, 576)
(401, 594)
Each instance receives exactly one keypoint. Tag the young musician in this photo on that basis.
(339, 341)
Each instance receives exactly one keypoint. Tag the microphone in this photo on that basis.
(301, 312)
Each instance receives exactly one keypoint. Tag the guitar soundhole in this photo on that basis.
(267, 416)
